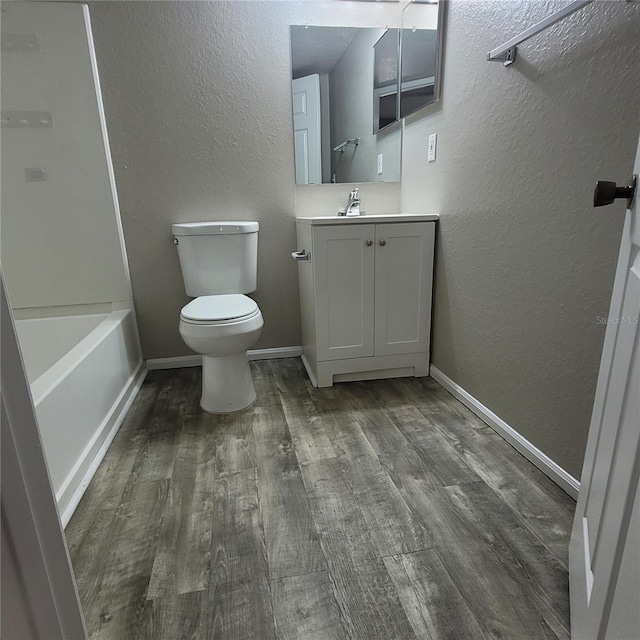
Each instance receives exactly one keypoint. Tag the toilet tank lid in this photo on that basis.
(213, 228)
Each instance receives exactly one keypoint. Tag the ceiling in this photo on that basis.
(317, 49)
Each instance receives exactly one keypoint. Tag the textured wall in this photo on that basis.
(198, 104)
(525, 265)
(61, 244)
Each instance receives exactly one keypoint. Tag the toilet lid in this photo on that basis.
(221, 307)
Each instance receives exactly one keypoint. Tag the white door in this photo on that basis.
(343, 258)
(39, 595)
(403, 275)
(604, 554)
(306, 126)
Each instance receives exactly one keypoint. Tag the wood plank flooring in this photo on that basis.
(369, 510)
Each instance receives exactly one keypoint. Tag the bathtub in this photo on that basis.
(84, 372)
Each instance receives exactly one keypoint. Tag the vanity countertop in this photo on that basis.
(369, 219)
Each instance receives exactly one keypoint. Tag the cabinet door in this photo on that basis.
(343, 280)
(403, 275)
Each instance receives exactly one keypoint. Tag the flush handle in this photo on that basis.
(606, 192)
(301, 256)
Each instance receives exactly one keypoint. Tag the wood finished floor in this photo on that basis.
(369, 510)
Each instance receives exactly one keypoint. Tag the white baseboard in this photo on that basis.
(552, 470)
(277, 352)
(70, 494)
(174, 363)
(195, 360)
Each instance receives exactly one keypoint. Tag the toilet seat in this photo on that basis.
(219, 309)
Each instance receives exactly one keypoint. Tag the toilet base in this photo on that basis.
(227, 385)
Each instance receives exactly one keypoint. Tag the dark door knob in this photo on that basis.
(606, 192)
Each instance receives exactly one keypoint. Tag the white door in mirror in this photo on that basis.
(306, 124)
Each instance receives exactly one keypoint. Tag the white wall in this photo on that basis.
(388, 142)
(315, 200)
(525, 264)
(61, 242)
(198, 100)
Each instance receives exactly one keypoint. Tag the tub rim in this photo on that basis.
(44, 384)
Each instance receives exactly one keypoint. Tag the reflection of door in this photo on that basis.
(605, 544)
(306, 125)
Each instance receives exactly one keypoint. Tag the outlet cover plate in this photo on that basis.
(431, 154)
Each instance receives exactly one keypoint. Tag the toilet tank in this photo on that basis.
(217, 257)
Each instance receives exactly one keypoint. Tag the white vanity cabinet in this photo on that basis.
(365, 296)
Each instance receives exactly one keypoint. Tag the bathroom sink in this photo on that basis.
(373, 218)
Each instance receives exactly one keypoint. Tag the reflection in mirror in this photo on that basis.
(332, 74)
(385, 79)
(421, 59)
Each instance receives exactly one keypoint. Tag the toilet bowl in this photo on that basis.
(219, 263)
(222, 328)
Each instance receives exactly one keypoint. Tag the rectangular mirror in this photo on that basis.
(412, 54)
(332, 83)
(340, 133)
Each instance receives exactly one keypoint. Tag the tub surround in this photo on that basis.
(62, 241)
(63, 250)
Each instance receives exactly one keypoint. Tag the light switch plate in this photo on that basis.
(431, 154)
(379, 164)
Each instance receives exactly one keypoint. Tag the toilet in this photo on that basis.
(219, 262)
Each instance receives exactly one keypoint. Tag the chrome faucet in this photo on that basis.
(353, 204)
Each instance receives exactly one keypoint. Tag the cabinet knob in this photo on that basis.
(382, 243)
(369, 243)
